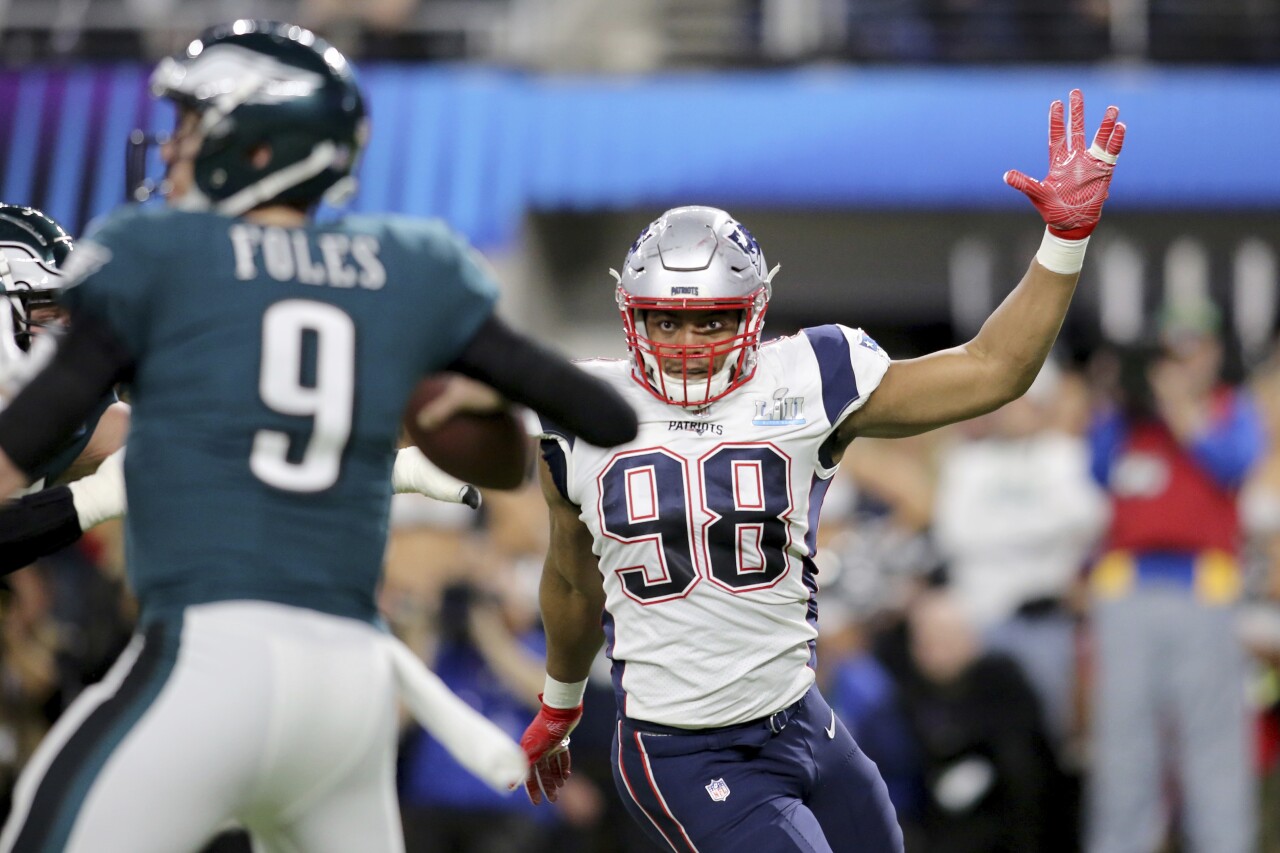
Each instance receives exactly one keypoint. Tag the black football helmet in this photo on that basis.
(255, 84)
(32, 249)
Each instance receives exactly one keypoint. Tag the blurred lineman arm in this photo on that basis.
(36, 525)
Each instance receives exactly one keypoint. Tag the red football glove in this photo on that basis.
(1070, 197)
(546, 743)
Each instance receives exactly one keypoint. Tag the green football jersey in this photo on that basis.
(272, 369)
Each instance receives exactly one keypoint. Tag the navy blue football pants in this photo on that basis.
(793, 781)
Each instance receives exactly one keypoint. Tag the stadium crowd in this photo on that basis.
(647, 35)
(968, 577)
(1054, 628)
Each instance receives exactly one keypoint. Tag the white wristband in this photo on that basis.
(558, 694)
(1061, 256)
(100, 496)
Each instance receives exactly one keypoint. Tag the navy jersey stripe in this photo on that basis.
(810, 579)
(817, 494)
(551, 428)
(553, 452)
(839, 387)
(619, 668)
(67, 781)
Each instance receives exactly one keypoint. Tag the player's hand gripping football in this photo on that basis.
(546, 745)
(1070, 197)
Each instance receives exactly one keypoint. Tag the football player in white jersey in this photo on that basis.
(688, 552)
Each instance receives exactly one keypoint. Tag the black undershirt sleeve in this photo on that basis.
(54, 404)
(528, 373)
(35, 526)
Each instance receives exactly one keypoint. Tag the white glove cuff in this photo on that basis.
(414, 472)
(558, 694)
(1061, 256)
(100, 496)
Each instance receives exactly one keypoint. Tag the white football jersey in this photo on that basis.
(705, 528)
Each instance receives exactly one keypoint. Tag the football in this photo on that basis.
(490, 450)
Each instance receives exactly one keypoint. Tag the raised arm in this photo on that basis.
(1001, 361)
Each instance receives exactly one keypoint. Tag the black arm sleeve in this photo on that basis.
(35, 526)
(56, 402)
(528, 373)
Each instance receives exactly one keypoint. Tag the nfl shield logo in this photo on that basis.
(718, 790)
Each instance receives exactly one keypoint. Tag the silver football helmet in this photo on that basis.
(694, 259)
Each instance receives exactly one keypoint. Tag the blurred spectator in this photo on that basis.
(1260, 617)
(1016, 517)
(28, 671)
(891, 29)
(871, 562)
(1016, 512)
(988, 768)
(453, 597)
(972, 30)
(425, 552)
(895, 482)
(645, 35)
(1071, 31)
(1170, 671)
(93, 615)
(62, 624)
(468, 599)
(1185, 30)
(587, 35)
(483, 654)
(348, 24)
(378, 14)
(864, 693)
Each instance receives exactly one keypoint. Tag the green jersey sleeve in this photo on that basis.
(456, 288)
(109, 274)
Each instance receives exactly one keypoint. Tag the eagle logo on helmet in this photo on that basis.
(260, 86)
(33, 250)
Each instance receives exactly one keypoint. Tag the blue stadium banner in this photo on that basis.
(481, 146)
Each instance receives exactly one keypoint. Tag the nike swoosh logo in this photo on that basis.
(831, 729)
